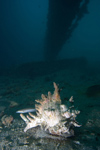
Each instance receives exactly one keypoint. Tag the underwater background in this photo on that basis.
(42, 42)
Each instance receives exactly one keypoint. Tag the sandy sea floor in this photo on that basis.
(18, 93)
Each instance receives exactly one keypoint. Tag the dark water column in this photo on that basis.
(61, 14)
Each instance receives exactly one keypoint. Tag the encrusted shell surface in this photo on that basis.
(52, 116)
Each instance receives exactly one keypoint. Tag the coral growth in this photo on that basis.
(52, 116)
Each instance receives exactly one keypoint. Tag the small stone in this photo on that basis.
(6, 120)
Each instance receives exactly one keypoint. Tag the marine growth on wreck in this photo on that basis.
(52, 116)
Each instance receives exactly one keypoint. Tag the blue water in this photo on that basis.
(42, 42)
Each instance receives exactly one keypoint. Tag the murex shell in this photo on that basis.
(52, 116)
